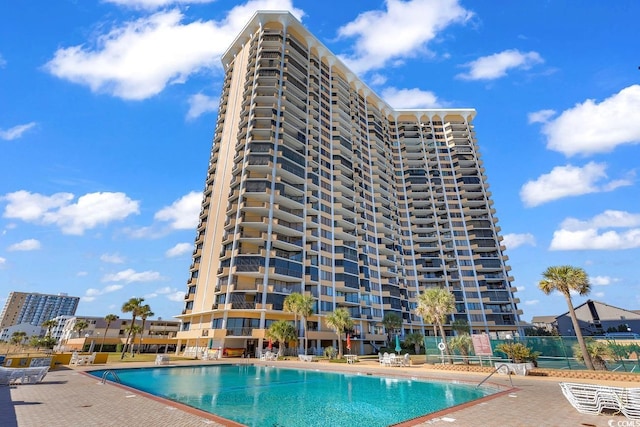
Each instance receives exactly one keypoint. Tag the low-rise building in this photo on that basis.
(595, 318)
(157, 334)
(29, 329)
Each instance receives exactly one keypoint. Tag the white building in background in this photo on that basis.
(36, 308)
(29, 329)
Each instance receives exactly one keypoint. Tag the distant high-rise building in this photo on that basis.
(317, 186)
(34, 308)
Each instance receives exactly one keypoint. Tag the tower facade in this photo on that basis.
(316, 185)
(35, 308)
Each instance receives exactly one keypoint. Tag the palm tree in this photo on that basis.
(597, 352)
(416, 339)
(300, 305)
(290, 305)
(463, 344)
(434, 305)
(460, 326)
(109, 318)
(282, 331)
(18, 337)
(565, 279)
(49, 324)
(391, 321)
(133, 331)
(80, 326)
(145, 312)
(132, 306)
(340, 321)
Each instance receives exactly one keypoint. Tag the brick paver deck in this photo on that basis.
(69, 398)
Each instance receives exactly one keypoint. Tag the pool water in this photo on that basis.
(264, 396)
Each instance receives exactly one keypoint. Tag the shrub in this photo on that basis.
(517, 352)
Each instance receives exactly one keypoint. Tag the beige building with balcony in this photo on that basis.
(316, 185)
(158, 335)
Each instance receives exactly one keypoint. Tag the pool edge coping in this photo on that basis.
(504, 390)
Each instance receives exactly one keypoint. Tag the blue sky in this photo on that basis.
(107, 112)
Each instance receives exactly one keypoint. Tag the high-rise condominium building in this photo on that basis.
(317, 186)
(34, 308)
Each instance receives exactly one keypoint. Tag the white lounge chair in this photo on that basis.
(267, 355)
(406, 361)
(23, 375)
(306, 357)
(593, 399)
(33, 375)
(386, 359)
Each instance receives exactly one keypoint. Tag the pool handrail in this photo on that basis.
(498, 367)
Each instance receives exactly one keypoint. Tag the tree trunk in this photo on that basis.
(339, 346)
(576, 327)
(103, 337)
(306, 343)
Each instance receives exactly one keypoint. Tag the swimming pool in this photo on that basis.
(260, 396)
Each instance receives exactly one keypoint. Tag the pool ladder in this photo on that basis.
(496, 370)
(113, 374)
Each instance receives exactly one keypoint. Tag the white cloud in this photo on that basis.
(131, 276)
(162, 291)
(541, 116)
(152, 4)
(16, 131)
(590, 128)
(592, 239)
(32, 207)
(183, 213)
(377, 79)
(602, 280)
(607, 219)
(88, 212)
(112, 288)
(200, 104)
(531, 302)
(140, 58)
(26, 245)
(3, 62)
(599, 294)
(597, 233)
(112, 258)
(513, 240)
(495, 66)
(566, 181)
(82, 274)
(412, 23)
(92, 293)
(410, 98)
(177, 296)
(3, 262)
(179, 249)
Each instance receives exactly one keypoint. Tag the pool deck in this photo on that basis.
(68, 398)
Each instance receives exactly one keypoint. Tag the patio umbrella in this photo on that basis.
(398, 348)
(270, 346)
(349, 343)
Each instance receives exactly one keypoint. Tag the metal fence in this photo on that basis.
(554, 353)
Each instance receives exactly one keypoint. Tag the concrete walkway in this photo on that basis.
(69, 398)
